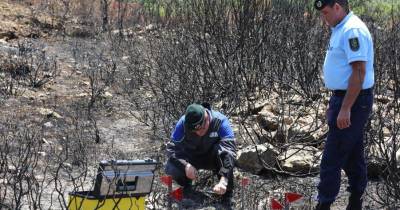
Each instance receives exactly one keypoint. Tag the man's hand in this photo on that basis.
(356, 81)
(343, 119)
(190, 171)
(220, 188)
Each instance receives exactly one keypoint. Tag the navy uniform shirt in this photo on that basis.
(350, 41)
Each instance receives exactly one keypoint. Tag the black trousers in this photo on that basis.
(210, 161)
(344, 149)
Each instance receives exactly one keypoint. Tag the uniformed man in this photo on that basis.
(348, 73)
(202, 139)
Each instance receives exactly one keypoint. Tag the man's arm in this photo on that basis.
(172, 150)
(175, 151)
(227, 142)
(355, 85)
(174, 147)
(226, 155)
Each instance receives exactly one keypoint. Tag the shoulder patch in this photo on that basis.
(354, 44)
(213, 134)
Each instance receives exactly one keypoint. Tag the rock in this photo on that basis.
(392, 84)
(84, 83)
(82, 95)
(383, 99)
(150, 27)
(300, 158)
(79, 31)
(306, 129)
(107, 95)
(248, 158)
(306, 120)
(253, 107)
(8, 35)
(302, 133)
(49, 113)
(296, 100)
(8, 49)
(270, 108)
(3, 42)
(207, 36)
(43, 154)
(128, 32)
(12, 169)
(288, 120)
(268, 121)
(256, 107)
(48, 125)
(68, 166)
(386, 132)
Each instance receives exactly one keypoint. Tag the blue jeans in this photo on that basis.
(344, 149)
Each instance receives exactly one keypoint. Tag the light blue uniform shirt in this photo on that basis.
(350, 41)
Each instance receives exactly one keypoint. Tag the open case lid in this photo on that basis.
(125, 177)
(136, 165)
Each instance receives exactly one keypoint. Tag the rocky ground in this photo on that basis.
(123, 136)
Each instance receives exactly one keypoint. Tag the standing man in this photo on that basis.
(348, 73)
(202, 139)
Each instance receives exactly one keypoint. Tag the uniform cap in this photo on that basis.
(194, 117)
(320, 4)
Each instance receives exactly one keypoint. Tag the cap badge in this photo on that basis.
(319, 4)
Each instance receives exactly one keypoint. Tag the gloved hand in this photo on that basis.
(220, 188)
(190, 171)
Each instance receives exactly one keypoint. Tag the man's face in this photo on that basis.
(330, 14)
(204, 127)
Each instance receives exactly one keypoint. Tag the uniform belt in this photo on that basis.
(368, 91)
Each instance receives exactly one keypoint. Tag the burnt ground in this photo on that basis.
(122, 135)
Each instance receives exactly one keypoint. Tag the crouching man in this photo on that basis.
(202, 139)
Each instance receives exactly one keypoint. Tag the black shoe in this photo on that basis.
(323, 206)
(188, 191)
(189, 196)
(355, 202)
(227, 200)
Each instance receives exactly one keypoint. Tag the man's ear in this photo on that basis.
(337, 7)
